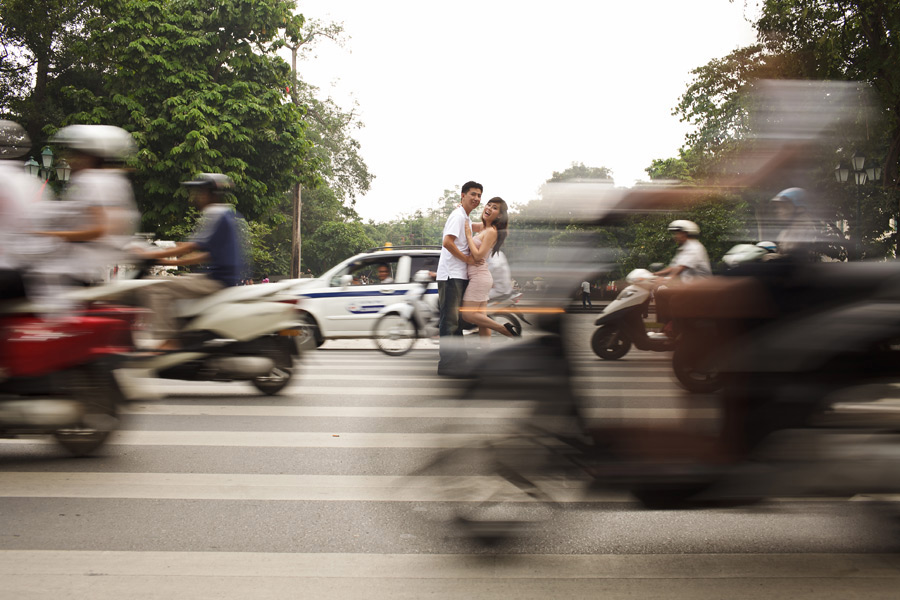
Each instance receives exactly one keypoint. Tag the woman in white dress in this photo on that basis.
(494, 221)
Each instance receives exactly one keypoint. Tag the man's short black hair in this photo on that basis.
(471, 184)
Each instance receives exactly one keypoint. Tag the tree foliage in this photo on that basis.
(202, 86)
(805, 40)
(332, 242)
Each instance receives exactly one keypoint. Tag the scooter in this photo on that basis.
(244, 333)
(57, 374)
(621, 323)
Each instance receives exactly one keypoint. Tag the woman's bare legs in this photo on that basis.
(477, 315)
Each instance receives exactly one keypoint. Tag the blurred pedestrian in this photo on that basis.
(586, 295)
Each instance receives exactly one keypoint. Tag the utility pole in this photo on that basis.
(296, 200)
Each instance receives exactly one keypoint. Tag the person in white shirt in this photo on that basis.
(586, 295)
(452, 279)
(20, 193)
(99, 216)
(691, 261)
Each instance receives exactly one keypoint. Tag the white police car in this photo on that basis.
(344, 301)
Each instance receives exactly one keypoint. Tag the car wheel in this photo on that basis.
(310, 334)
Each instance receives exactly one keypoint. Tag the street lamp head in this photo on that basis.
(47, 157)
(874, 173)
(861, 177)
(841, 174)
(32, 167)
(63, 170)
(859, 162)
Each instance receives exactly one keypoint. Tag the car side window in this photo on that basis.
(423, 263)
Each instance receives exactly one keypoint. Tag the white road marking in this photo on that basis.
(333, 488)
(406, 412)
(264, 565)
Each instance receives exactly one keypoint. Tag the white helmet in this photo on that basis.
(689, 227)
(103, 141)
(768, 246)
(14, 142)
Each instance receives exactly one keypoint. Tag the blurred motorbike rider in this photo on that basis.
(99, 215)
(19, 193)
(797, 237)
(215, 243)
(691, 260)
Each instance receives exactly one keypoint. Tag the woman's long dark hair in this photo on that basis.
(501, 223)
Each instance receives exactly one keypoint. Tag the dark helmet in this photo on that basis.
(794, 196)
(217, 183)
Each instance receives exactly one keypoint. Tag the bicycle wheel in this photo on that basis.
(394, 335)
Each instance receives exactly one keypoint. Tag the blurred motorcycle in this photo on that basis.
(56, 374)
(621, 323)
(245, 333)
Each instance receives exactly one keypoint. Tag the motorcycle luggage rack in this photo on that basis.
(408, 247)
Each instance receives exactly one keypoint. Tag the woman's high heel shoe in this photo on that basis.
(512, 330)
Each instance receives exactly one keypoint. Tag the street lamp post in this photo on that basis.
(860, 176)
(46, 168)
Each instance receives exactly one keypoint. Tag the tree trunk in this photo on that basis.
(295, 231)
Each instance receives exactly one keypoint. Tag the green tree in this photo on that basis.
(809, 40)
(36, 42)
(201, 87)
(333, 242)
(422, 228)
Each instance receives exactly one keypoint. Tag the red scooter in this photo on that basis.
(56, 374)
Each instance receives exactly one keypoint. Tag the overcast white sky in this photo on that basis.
(507, 92)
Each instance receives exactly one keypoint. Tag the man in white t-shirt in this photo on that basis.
(452, 279)
(691, 261)
(586, 294)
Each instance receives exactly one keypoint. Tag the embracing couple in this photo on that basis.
(464, 280)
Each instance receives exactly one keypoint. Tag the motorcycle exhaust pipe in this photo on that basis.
(242, 367)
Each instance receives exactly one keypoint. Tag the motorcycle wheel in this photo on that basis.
(98, 391)
(504, 318)
(278, 349)
(394, 335)
(668, 498)
(610, 343)
(688, 364)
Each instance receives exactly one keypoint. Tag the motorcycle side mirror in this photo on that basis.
(656, 267)
(423, 276)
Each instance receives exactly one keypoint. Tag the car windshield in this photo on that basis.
(373, 271)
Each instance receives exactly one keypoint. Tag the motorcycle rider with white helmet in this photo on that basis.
(99, 216)
(20, 194)
(691, 260)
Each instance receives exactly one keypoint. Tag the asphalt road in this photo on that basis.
(331, 490)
